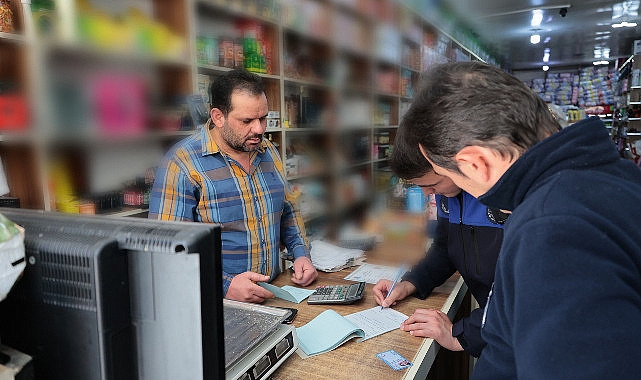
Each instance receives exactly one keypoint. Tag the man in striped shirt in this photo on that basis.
(227, 173)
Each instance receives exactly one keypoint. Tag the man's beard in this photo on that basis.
(238, 143)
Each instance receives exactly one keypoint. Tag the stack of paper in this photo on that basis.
(330, 258)
(372, 273)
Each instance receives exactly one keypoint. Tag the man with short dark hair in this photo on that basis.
(566, 301)
(228, 173)
(467, 239)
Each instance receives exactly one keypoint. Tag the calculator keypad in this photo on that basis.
(337, 294)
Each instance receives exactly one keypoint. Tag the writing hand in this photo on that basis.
(401, 291)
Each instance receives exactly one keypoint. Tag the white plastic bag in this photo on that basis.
(12, 257)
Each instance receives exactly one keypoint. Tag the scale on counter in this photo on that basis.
(256, 340)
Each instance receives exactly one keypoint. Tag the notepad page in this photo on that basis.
(326, 332)
(377, 320)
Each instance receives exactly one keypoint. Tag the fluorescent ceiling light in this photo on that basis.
(625, 24)
(535, 39)
(546, 55)
(546, 68)
(625, 8)
(601, 52)
(537, 17)
(596, 63)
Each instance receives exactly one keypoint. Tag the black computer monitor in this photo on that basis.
(174, 281)
(70, 310)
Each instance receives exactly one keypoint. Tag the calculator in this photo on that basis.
(337, 294)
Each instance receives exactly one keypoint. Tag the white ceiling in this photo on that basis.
(504, 25)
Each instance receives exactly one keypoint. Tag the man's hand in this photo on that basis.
(243, 288)
(401, 291)
(432, 324)
(304, 271)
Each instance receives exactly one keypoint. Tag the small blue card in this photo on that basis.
(394, 360)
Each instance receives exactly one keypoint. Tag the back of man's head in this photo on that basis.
(472, 103)
(224, 85)
(407, 161)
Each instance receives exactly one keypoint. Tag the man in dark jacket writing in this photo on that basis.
(467, 239)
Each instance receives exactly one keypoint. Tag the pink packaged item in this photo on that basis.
(120, 105)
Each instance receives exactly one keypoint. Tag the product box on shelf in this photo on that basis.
(14, 113)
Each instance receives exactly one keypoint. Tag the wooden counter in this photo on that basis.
(355, 360)
(358, 360)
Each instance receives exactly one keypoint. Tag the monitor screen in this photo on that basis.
(174, 279)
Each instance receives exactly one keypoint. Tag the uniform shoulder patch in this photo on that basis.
(497, 216)
(444, 205)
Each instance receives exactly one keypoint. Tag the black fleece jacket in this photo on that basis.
(566, 302)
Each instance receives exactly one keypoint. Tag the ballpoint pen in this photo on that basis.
(400, 272)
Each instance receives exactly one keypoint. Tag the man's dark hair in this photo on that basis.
(472, 103)
(407, 161)
(223, 86)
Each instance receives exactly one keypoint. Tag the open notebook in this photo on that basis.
(324, 333)
(329, 329)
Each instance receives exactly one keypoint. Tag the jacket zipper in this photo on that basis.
(460, 226)
(476, 251)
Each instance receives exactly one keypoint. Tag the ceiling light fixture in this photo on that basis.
(546, 55)
(628, 8)
(516, 11)
(546, 68)
(535, 39)
(537, 17)
(597, 63)
(625, 24)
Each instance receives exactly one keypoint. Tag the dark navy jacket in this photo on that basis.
(566, 302)
(467, 239)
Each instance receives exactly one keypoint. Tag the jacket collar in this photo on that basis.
(583, 145)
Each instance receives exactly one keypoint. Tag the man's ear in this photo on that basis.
(217, 117)
(476, 163)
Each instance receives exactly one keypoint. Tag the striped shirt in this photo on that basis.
(198, 182)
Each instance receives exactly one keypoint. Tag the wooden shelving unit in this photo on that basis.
(339, 73)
